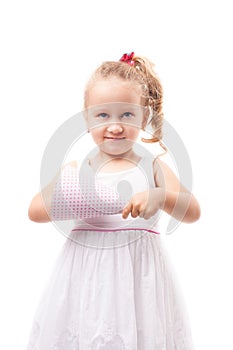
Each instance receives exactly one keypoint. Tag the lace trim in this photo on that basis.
(67, 341)
(116, 343)
(70, 341)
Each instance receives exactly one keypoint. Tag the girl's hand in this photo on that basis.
(145, 204)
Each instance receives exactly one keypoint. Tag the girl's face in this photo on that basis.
(114, 115)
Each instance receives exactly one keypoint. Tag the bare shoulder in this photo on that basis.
(164, 176)
(72, 163)
(160, 167)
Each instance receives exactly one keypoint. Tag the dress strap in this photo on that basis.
(146, 165)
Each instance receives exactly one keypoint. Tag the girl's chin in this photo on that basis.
(113, 148)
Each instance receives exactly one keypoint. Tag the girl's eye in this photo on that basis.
(102, 115)
(127, 115)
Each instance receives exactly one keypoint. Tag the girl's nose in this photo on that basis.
(115, 128)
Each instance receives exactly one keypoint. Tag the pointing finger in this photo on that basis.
(126, 211)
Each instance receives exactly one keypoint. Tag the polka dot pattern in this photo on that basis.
(80, 197)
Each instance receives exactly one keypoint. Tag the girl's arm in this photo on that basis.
(177, 200)
(169, 195)
(40, 205)
(39, 209)
(71, 196)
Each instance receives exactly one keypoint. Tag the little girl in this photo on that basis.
(113, 287)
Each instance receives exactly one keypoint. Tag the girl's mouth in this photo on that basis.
(115, 138)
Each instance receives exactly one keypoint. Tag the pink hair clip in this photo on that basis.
(128, 58)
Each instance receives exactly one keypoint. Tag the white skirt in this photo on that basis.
(112, 291)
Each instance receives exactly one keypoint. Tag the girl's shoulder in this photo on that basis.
(158, 165)
(72, 163)
(165, 176)
(163, 166)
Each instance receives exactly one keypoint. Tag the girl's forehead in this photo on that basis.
(113, 90)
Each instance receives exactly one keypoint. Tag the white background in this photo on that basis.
(48, 50)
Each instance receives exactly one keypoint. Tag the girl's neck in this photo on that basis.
(103, 162)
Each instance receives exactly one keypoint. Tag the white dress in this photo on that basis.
(113, 287)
